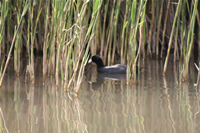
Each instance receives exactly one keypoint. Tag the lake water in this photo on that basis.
(155, 104)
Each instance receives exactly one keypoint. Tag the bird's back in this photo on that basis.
(115, 69)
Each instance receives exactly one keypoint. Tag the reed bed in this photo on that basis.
(67, 32)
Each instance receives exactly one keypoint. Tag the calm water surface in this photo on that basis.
(156, 104)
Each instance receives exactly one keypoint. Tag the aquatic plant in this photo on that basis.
(67, 32)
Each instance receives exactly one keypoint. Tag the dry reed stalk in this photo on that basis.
(164, 29)
(151, 28)
(158, 30)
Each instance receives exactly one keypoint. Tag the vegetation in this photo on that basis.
(67, 32)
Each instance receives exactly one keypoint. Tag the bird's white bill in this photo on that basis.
(90, 61)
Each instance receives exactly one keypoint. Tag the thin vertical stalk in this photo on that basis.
(142, 50)
(33, 33)
(52, 57)
(183, 31)
(124, 29)
(115, 29)
(151, 28)
(190, 40)
(109, 39)
(45, 41)
(58, 43)
(4, 12)
(104, 30)
(176, 40)
(158, 31)
(171, 36)
(198, 42)
(18, 42)
(164, 29)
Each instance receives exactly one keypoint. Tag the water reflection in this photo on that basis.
(156, 104)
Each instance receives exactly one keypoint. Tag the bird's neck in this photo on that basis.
(100, 64)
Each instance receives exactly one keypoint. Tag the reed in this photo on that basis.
(171, 36)
(108, 48)
(46, 37)
(91, 30)
(142, 11)
(158, 30)
(14, 38)
(151, 28)
(190, 41)
(183, 31)
(164, 29)
(4, 13)
(176, 55)
(104, 28)
(67, 32)
(131, 44)
(82, 50)
(33, 34)
(116, 15)
(18, 41)
(124, 35)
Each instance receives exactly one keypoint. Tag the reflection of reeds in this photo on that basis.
(3, 123)
(155, 105)
(66, 32)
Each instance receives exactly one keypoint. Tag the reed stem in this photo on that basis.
(171, 36)
(13, 41)
(164, 29)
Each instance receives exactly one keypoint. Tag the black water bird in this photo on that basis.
(114, 69)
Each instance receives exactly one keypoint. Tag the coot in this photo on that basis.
(114, 69)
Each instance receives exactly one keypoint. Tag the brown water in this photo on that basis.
(156, 104)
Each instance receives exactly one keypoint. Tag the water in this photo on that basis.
(156, 104)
